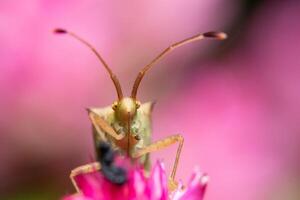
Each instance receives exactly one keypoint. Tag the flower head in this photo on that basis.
(94, 186)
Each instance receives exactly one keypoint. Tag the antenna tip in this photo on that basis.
(216, 35)
(60, 31)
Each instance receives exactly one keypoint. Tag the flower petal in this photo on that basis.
(91, 185)
(195, 189)
(137, 185)
(157, 185)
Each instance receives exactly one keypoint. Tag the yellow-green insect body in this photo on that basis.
(139, 135)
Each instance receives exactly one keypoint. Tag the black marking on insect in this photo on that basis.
(110, 171)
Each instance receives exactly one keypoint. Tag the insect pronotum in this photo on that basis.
(126, 124)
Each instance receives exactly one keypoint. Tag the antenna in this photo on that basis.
(141, 74)
(112, 75)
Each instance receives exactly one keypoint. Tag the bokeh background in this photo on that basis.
(236, 102)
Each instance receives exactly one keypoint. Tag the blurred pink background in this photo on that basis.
(235, 102)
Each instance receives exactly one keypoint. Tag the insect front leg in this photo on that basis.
(163, 144)
(84, 169)
(100, 124)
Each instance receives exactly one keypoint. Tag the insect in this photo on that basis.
(126, 124)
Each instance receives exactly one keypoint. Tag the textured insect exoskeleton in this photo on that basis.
(126, 124)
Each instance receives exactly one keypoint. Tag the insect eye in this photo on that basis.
(115, 106)
(138, 104)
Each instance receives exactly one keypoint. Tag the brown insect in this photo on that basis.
(126, 124)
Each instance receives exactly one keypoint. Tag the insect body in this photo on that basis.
(126, 124)
(128, 131)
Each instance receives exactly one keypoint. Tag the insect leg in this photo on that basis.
(100, 124)
(84, 169)
(163, 144)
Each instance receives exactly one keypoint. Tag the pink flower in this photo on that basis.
(94, 186)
